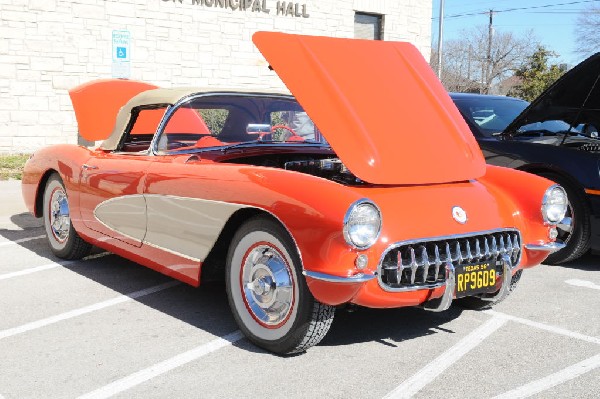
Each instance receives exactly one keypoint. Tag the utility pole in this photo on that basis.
(440, 38)
(488, 66)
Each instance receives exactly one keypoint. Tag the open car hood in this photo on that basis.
(574, 99)
(97, 104)
(379, 105)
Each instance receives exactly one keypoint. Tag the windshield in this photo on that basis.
(488, 113)
(226, 120)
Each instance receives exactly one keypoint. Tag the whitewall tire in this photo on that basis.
(267, 292)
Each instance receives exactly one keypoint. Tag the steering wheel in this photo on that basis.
(285, 127)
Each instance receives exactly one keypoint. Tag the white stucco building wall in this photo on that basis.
(49, 46)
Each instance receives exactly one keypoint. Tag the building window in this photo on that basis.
(368, 26)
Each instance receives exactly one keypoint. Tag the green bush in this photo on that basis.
(11, 166)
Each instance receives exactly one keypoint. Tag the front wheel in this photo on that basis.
(267, 293)
(62, 237)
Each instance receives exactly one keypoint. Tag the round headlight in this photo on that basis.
(362, 224)
(554, 204)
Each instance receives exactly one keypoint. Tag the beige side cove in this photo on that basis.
(188, 227)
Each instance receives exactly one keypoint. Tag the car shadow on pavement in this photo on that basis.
(390, 327)
(206, 307)
(28, 226)
(589, 261)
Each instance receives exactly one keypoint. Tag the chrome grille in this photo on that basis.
(417, 264)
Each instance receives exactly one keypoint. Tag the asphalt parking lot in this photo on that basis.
(106, 327)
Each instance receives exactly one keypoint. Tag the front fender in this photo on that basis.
(526, 191)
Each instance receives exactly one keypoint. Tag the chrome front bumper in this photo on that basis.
(443, 303)
(357, 278)
(549, 247)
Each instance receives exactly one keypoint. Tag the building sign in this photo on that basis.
(121, 54)
(279, 8)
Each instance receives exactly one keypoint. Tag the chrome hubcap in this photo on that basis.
(60, 222)
(267, 285)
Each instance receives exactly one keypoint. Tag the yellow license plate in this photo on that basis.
(476, 278)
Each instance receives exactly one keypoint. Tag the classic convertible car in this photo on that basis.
(555, 137)
(336, 195)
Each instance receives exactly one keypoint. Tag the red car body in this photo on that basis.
(387, 120)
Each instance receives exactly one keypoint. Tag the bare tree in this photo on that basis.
(466, 66)
(587, 31)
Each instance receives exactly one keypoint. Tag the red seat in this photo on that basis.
(208, 141)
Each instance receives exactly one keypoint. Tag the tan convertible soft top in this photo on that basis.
(163, 97)
(150, 97)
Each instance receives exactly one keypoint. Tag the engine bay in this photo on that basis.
(321, 164)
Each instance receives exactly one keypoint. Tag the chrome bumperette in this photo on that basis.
(549, 247)
(425, 263)
(444, 302)
(504, 290)
(357, 278)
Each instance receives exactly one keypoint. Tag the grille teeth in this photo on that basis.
(425, 261)
(478, 253)
(418, 264)
(469, 254)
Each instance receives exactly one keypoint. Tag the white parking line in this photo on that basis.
(48, 266)
(583, 283)
(4, 244)
(542, 326)
(87, 309)
(34, 270)
(160, 368)
(552, 380)
(428, 373)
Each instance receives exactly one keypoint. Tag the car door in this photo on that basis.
(106, 178)
(112, 183)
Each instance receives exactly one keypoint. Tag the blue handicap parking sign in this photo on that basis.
(121, 52)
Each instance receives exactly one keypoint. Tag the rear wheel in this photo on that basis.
(267, 293)
(576, 234)
(62, 237)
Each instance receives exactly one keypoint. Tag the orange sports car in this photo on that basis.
(365, 187)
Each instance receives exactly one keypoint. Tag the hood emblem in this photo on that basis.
(459, 214)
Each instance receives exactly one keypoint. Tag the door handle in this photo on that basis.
(88, 167)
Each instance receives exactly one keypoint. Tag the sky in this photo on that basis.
(552, 21)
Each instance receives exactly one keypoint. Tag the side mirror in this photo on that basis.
(590, 130)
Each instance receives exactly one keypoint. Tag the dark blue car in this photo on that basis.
(556, 136)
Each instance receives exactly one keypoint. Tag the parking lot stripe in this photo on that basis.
(547, 327)
(34, 270)
(48, 266)
(146, 374)
(583, 283)
(86, 309)
(552, 380)
(428, 373)
(3, 244)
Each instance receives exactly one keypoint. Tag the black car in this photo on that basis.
(556, 136)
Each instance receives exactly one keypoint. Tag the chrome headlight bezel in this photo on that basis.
(350, 236)
(550, 196)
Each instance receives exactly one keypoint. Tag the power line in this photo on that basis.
(518, 9)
